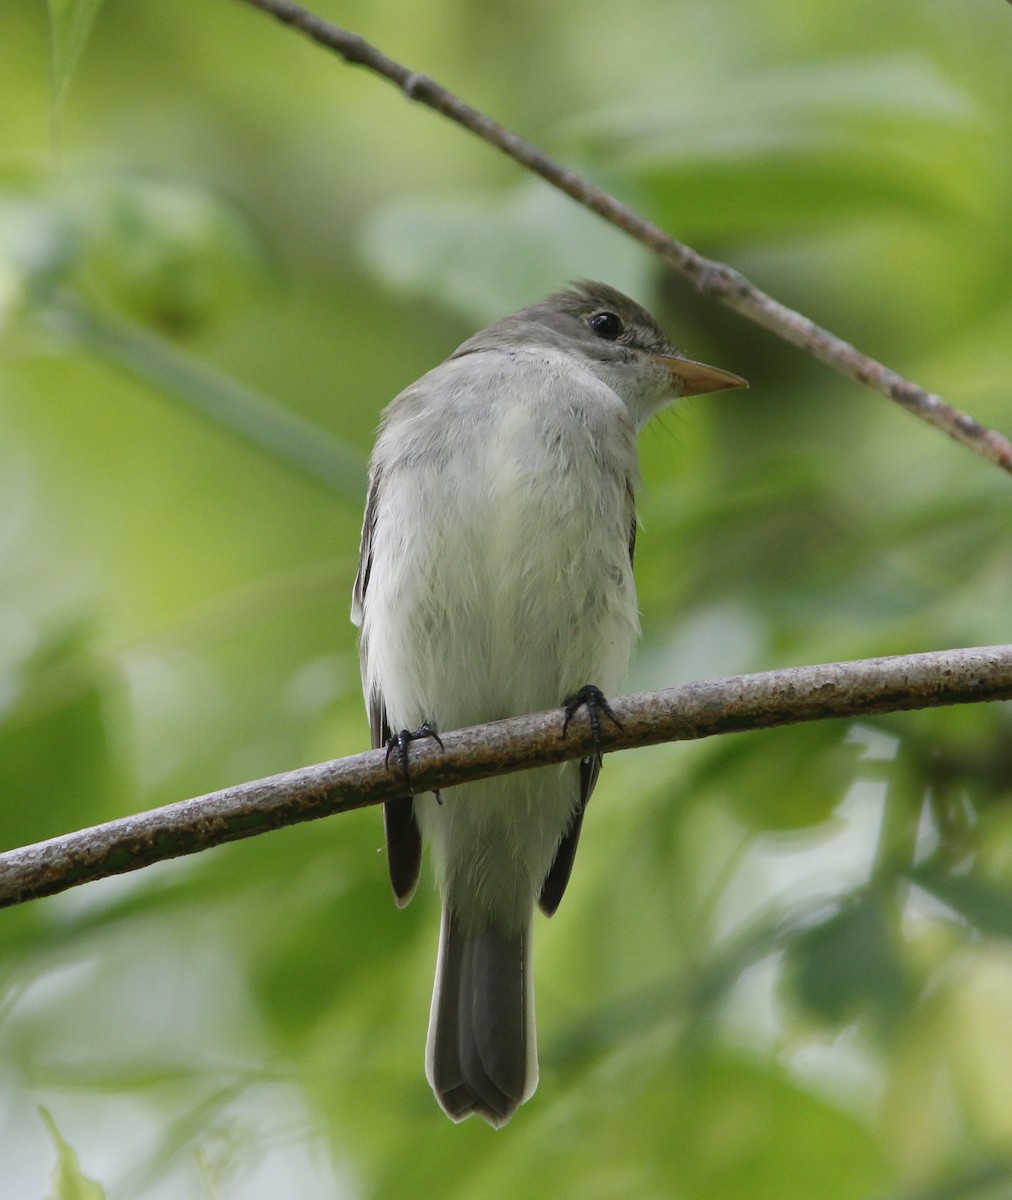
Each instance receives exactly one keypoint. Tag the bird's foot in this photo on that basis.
(592, 699)
(400, 742)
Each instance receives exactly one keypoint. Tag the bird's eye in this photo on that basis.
(607, 325)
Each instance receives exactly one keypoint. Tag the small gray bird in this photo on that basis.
(496, 579)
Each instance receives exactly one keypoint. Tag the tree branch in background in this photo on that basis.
(259, 422)
(694, 710)
(710, 277)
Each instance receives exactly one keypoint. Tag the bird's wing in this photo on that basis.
(365, 554)
(404, 842)
(554, 887)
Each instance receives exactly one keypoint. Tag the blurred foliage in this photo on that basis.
(70, 25)
(68, 1182)
(784, 967)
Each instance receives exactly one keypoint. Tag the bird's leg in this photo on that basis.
(592, 699)
(402, 740)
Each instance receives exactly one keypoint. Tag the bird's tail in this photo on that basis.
(482, 1055)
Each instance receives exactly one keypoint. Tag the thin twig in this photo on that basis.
(712, 278)
(694, 710)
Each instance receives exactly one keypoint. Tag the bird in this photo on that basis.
(496, 578)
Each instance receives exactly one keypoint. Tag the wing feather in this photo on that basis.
(404, 841)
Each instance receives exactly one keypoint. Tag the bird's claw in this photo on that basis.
(592, 699)
(402, 740)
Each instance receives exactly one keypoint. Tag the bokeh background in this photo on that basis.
(783, 968)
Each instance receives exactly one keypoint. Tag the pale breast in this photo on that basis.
(501, 579)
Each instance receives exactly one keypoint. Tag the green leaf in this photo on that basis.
(800, 146)
(68, 1180)
(850, 963)
(70, 22)
(37, 247)
(812, 765)
(987, 906)
(484, 257)
(57, 757)
(171, 255)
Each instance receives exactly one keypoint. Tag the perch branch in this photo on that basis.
(694, 710)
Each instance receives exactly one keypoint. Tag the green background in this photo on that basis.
(783, 968)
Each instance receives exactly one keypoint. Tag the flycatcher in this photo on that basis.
(495, 579)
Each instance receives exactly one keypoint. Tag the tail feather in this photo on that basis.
(481, 1055)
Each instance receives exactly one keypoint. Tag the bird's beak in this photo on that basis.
(691, 378)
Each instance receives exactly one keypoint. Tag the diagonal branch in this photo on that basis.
(688, 712)
(712, 278)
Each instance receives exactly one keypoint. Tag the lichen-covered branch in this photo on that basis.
(693, 710)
